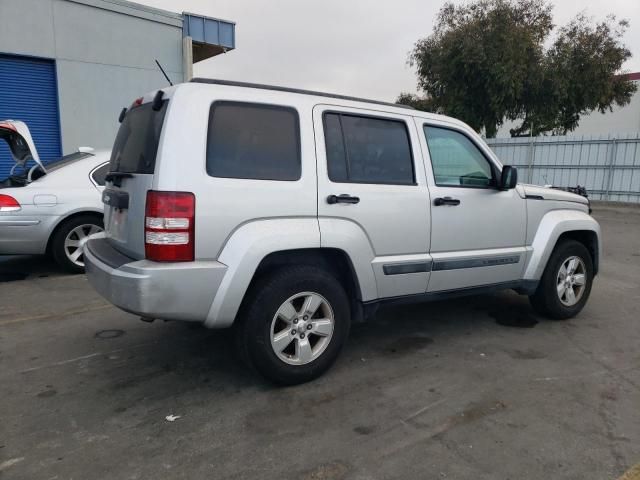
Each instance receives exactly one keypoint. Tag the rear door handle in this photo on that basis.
(344, 198)
(446, 201)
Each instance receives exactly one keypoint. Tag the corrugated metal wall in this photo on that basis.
(28, 92)
(609, 167)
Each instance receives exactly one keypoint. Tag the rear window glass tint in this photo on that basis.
(136, 145)
(364, 149)
(252, 141)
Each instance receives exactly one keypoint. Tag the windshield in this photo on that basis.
(136, 144)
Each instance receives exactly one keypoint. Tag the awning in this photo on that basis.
(209, 36)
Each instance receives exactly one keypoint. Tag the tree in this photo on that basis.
(486, 62)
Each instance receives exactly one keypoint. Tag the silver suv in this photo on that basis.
(290, 214)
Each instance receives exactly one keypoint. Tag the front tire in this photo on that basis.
(566, 282)
(293, 324)
(67, 242)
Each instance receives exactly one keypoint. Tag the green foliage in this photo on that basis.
(419, 103)
(486, 62)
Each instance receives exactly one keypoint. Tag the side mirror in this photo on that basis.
(509, 177)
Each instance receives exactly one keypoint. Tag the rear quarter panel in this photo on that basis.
(49, 201)
(223, 205)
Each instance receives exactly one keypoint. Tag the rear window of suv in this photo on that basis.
(253, 141)
(136, 145)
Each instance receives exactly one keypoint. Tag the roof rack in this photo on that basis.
(294, 90)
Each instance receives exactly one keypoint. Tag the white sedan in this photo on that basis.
(52, 208)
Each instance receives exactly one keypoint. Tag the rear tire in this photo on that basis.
(70, 237)
(280, 338)
(566, 282)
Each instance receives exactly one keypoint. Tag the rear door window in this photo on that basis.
(253, 141)
(363, 149)
(136, 144)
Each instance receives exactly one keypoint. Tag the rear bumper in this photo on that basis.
(169, 291)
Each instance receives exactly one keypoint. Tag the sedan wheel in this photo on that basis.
(75, 240)
(68, 241)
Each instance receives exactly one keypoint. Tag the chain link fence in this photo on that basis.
(609, 167)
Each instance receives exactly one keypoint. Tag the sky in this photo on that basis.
(351, 47)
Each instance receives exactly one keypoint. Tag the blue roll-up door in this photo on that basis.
(29, 92)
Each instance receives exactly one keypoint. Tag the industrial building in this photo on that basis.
(67, 67)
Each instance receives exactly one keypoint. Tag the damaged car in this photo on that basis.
(50, 208)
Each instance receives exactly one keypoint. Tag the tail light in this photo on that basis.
(169, 226)
(8, 204)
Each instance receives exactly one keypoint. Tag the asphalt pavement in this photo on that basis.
(473, 388)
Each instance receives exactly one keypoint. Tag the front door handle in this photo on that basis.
(446, 201)
(344, 198)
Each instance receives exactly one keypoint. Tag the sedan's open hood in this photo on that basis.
(18, 137)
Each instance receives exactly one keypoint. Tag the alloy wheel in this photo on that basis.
(75, 240)
(571, 281)
(302, 328)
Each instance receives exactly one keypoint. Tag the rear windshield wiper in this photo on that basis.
(116, 177)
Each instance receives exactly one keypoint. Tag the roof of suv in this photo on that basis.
(275, 88)
(295, 90)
